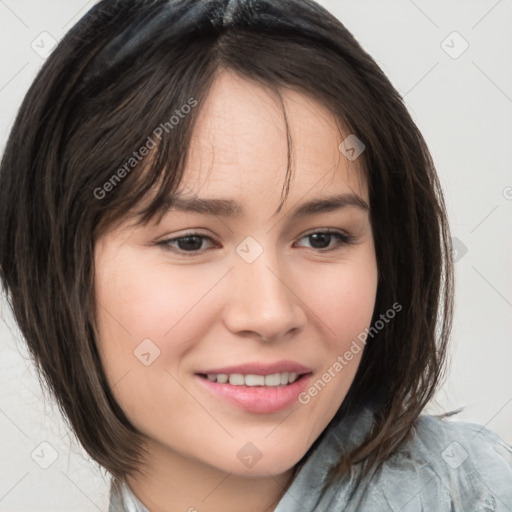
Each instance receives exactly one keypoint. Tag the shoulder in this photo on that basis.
(459, 465)
(452, 445)
(443, 466)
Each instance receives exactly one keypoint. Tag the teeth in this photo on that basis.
(254, 380)
(237, 379)
(273, 380)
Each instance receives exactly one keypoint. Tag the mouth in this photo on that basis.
(274, 380)
(257, 388)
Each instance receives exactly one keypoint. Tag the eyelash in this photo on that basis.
(343, 240)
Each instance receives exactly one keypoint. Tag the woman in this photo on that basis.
(217, 343)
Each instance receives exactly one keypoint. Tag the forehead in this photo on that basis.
(240, 143)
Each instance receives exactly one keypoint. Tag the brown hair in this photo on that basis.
(116, 76)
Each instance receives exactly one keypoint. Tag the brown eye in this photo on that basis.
(321, 240)
(190, 244)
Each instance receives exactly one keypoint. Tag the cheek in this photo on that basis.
(140, 300)
(344, 298)
(344, 304)
(351, 303)
(148, 319)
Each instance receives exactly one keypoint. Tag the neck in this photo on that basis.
(171, 482)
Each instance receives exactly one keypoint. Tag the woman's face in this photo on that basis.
(253, 290)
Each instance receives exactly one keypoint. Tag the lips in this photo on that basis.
(257, 387)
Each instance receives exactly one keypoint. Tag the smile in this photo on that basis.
(238, 379)
(255, 387)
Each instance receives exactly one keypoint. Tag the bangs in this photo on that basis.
(143, 187)
(138, 98)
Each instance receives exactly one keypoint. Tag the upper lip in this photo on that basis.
(258, 368)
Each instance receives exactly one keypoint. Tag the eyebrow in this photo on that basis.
(231, 209)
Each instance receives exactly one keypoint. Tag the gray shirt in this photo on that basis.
(446, 466)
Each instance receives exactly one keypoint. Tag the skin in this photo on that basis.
(214, 309)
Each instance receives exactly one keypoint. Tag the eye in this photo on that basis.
(321, 239)
(189, 244)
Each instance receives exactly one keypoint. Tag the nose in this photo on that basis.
(263, 300)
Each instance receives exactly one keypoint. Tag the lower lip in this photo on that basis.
(258, 399)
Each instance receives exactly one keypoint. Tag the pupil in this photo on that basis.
(320, 236)
(187, 243)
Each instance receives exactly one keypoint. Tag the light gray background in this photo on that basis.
(462, 105)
